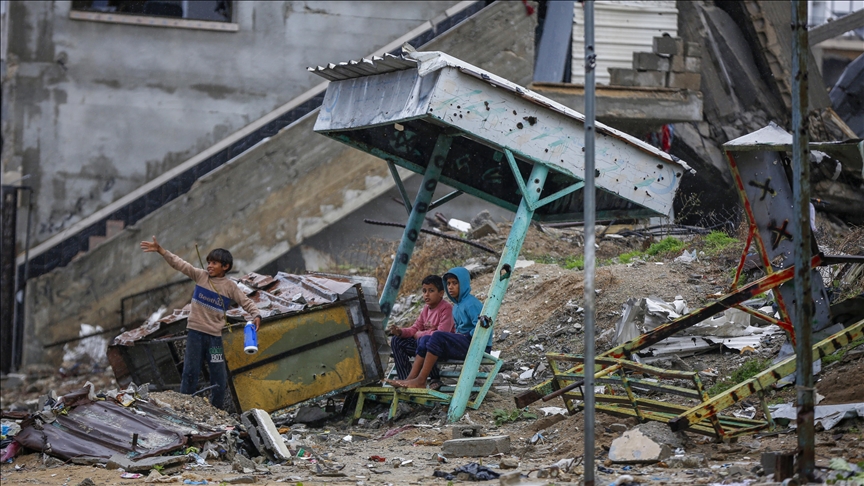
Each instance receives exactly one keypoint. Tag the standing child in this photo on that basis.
(210, 300)
(445, 345)
(437, 315)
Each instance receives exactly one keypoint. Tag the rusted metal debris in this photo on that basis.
(438, 234)
(80, 425)
(316, 338)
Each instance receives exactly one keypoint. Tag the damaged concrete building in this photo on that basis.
(104, 176)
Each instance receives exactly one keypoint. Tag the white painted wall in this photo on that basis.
(620, 29)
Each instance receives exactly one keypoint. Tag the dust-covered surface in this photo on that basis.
(542, 312)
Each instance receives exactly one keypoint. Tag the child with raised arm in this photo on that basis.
(448, 345)
(210, 300)
(437, 315)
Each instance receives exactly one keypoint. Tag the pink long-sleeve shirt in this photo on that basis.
(430, 320)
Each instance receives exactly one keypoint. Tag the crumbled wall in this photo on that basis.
(97, 109)
(260, 205)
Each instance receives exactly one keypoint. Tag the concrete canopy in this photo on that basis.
(395, 108)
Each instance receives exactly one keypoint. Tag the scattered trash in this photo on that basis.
(377, 458)
(826, 415)
(458, 225)
(469, 472)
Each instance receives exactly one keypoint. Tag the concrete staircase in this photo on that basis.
(260, 192)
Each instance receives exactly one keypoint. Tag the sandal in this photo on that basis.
(435, 385)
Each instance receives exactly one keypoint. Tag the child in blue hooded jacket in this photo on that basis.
(448, 345)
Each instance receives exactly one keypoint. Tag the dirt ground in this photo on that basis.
(541, 313)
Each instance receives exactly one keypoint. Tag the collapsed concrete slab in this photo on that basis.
(477, 446)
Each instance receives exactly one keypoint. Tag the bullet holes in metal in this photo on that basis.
(412, 235)
(506, 271)
(485, 322)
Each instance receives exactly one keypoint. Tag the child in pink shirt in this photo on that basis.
(437, 315)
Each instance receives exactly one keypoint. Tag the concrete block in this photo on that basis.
(648, 61)
(693, 49)
(667, 45)
(691, 81)
(677, 64)
(693, 64)
(264, 435)
(487, 228)
(634, 447)
(477, 446)
(120, 461)
(630, 77)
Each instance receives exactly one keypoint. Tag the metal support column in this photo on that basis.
(802, 319)
(495, 296)
(589, 258)
(415, 222)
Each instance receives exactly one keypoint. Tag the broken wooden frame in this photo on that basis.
(758, 159)
(703, 418)
(483, 135)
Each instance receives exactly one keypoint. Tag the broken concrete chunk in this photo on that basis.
(691, 461)
(477, 446)
(120, 461)
(459, 225)
(243, 464)
(487, 228)
(298, 298)
(245, 479)
(264, 435)
(618, 428)
(634, 447)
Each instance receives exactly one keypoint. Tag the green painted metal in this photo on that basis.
(445, 199)
(415, 222)
(399, 185)
(522, 221)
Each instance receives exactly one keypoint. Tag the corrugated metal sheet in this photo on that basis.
(620, 29)
(363, 67)
(79, 426)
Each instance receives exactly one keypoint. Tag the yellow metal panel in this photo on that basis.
(299, 376)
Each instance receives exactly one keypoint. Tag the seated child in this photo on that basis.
(437, 315)
(445, 345)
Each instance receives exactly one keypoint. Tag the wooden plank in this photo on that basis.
(854, 20)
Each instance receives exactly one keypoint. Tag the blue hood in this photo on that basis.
(464, 277)
(466, 308)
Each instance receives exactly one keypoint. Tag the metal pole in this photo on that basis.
(590, 207)
(18, 324)
(415, 222)
(803, 316)
(489, 314)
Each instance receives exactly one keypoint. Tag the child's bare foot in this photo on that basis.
(393, 383)
(413, 383)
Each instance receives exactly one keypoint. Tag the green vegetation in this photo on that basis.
(574, 262)
(503, 416)
(838, 355)
(746, 371)
(629, 256)
(717, 241)
(666, 246)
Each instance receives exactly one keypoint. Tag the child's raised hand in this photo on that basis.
(150, 247)
(394, 330)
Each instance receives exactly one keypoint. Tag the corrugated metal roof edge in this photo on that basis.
(431, 61)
